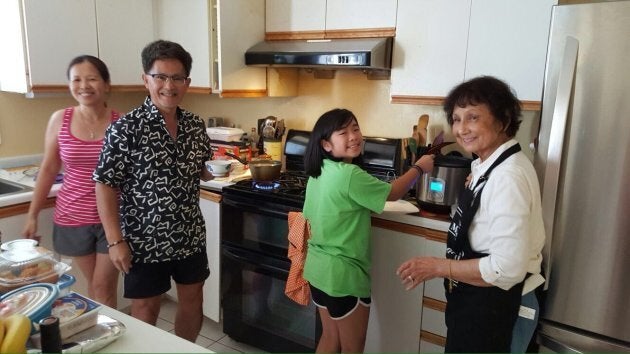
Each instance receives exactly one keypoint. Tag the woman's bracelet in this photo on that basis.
(418, 168)
(115, 243)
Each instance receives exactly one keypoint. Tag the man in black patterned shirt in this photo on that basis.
(147, 193)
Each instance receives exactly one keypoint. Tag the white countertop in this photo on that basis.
(141, 337)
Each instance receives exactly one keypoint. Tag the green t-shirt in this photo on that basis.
(338, 207)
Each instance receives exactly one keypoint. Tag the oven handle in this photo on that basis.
(256, 209)
(242, 257)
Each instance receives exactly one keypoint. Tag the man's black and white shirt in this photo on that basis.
(158, 180)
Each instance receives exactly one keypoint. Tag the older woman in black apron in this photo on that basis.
(496, 235)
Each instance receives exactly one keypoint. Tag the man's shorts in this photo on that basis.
(77, 241)
(151, 279)
(338, 307)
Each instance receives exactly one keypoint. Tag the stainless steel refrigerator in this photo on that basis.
(583, 162)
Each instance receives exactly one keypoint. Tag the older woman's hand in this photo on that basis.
(417, 270)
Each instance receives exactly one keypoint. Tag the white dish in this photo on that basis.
(400, 206)
(219, 168)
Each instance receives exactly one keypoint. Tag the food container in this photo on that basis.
(225, 133)
(20, 267)
(34, 301)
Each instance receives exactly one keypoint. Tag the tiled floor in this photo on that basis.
(211, 335)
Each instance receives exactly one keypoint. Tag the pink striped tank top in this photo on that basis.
(76, 200)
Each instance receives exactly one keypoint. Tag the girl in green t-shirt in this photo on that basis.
(340, 197)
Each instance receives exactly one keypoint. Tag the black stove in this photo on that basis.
(254, 244)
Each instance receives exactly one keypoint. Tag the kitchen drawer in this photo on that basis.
(433, 317)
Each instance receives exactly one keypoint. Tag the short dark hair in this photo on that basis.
(161, 49)
(325, 126)
(98, 64)
(494, 93)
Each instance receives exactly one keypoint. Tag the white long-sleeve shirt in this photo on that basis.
(508, 225)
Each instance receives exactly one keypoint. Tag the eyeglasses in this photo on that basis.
(175, 79)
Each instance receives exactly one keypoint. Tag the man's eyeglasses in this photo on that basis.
(175, 79)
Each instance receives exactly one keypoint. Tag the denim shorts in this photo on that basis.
(75, 241)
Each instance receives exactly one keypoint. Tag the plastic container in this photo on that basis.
(34, 301)
(225, 133)
(20, 267)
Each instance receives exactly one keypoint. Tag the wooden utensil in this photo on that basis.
(421, 130)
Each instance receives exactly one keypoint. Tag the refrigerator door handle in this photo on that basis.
(556, 142)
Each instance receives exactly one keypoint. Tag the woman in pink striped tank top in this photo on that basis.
(74, 138)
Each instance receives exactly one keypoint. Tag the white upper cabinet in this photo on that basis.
(241, 24)
(124, 29)
(40, 39)
(430, 47)
(329, 15)
(440, 43)
(295, 15)
(196, 36)
(508, 39)
(55, 31)
(359, 14)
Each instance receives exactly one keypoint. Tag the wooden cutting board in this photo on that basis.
(421, 130)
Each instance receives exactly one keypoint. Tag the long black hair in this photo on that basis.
(325, 126)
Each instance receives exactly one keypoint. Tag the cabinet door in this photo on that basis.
(124, 28)
(241, 24)
(430, 47)
(360, 14)
(508, 39)
(196, 36)
(56, 32)
(13, 71)
(295, 15)
(395, 313)
(211, 211)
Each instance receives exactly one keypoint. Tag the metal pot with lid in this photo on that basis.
(437, 191)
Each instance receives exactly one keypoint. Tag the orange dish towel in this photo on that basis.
(297, 288)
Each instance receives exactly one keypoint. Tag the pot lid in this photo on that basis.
(29, 300)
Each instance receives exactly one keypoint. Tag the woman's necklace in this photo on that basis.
(88, 125)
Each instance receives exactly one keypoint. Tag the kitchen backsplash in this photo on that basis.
(23, 121)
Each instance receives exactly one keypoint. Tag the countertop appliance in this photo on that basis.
(254, 246)
(437, 191)
(582, 162)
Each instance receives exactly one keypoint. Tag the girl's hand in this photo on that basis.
(425, 162)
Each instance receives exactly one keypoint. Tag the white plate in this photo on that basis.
(400, 206)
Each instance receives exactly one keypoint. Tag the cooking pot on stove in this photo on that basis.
(262, 170)
(437, 191)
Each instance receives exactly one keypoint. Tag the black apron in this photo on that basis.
(479, 319)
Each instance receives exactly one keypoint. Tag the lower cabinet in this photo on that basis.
(210, 204)
(211, 210)
(395, 312)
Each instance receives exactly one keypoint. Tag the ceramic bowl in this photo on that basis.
(218, 168)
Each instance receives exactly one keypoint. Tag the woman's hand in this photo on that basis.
(418, 270)
(30, 229)
(120, 254)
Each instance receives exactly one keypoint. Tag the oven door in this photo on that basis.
(256, 224)
(255, 308)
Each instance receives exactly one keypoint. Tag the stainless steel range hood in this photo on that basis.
(369, 54)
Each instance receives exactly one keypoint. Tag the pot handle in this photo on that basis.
(236, 157)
